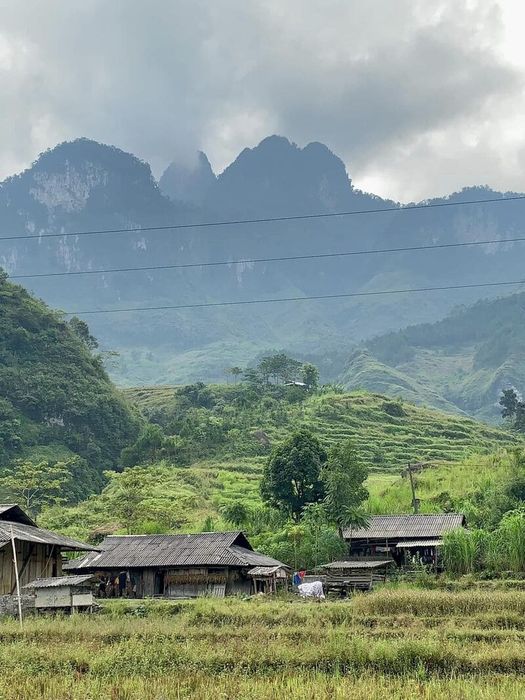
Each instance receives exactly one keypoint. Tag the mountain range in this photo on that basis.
(84, 186)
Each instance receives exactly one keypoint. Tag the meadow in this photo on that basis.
(399, 643)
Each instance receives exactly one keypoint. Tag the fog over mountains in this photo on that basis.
(84, 185)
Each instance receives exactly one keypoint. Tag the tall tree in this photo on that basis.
(35, 485)
(291, 478)
(343, 477)
(509, 402)
(310, 375)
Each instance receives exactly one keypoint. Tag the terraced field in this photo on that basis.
(401, 644)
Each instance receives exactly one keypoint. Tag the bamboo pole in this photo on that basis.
(15, 562)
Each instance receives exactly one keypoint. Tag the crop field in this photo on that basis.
(394, 643)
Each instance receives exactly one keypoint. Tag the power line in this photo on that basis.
(249, 261)
(265, 220)
(319, 297)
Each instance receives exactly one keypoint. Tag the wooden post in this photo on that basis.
(15, 562)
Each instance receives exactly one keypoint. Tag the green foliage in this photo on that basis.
(292, 476)
(310, 376)
(235, 513)
(35, 486)
(343, 477)
(54, 390)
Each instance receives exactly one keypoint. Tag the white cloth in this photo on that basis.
(311, 590)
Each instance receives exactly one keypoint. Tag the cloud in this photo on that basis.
(398, 90)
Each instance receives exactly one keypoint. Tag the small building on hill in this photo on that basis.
(403, 537)
(38, 551)
(180, 566)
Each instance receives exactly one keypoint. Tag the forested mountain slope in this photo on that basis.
(87, 186)
(459, 364)
(56, 401)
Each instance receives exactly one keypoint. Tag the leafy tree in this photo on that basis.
(127, 497)
(310, 376)
(235, 372)
(343, 477)
(146, 448)
(35, 485)
(509, 402)
(235, 513)
(291, 478)
(81, 329)
(278, 368)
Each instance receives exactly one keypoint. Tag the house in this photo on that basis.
(38, 551)
(181, 566)
(403, 537)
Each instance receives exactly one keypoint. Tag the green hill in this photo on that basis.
(460, 364)
(56, 401)
(217, 438)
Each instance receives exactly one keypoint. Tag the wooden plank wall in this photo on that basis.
(34, 561)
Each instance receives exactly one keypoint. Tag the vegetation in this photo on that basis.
(458, 364)
(57, 403)
(401, 643)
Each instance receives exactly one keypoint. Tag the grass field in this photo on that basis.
(394, 643)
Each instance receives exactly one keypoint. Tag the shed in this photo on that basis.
(67, 593)
(403, 537)
(355, 574)
(175, 566)
(38, 551)
(266, 578)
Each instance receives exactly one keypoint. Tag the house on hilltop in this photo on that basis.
(403, 537)
(182, 566)
(38, 551)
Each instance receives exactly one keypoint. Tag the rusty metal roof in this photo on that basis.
(359, 564)
(151, 551)
(406, 526)
(58, 581)
(30, 533)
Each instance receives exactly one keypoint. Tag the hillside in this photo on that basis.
(459, 364)
(57, 402)
(87, 186)
(224, 436)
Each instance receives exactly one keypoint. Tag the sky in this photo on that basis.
(418, 98)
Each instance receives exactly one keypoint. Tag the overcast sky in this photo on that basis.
(419, 98)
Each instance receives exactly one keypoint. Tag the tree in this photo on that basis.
(235, 513)
(310, 376)
(509, 402)
(235, 372)
(343, 477)
(291, 478)
(127, 496)
(279, 368)
(35, 485)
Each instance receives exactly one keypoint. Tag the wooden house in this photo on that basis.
(355, 574)
(179, 566)
(405, 538)
(38, 551)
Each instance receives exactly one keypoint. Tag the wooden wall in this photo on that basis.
(34, 561)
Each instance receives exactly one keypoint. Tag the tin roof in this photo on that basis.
(58, 581)
(414, 544)
(265, 570)
(151, 551)
(37, 535)
(406, 526)
(359, 564)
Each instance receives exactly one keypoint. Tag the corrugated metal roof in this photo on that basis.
(413, 544)
(149, 551)
(359, 564)
(29, 533)
(58, 581)
(406, 526)
(264, 570)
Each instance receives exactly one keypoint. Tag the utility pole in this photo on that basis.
(15, 563)
(415, 501)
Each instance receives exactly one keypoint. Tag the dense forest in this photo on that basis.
(57, 403)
